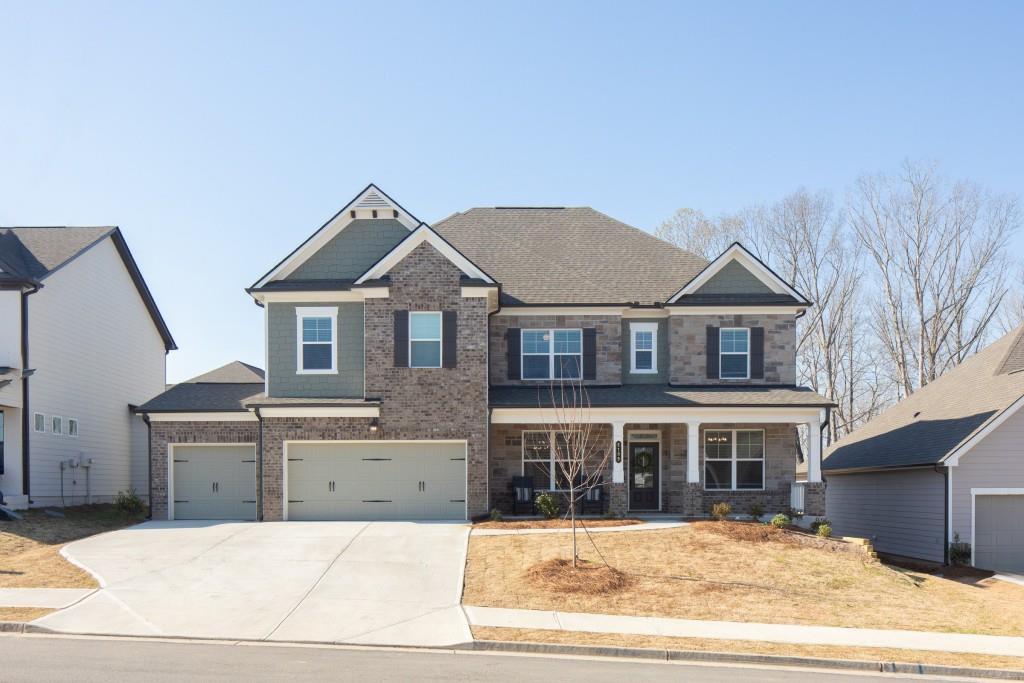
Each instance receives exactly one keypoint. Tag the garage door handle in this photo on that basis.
(376, 459)
(376, 501)
(248, 501)
(253, 460)
(181, 501)
(181, 461)
(295, 459)
(296, 501)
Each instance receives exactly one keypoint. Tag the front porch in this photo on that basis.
(745, 458)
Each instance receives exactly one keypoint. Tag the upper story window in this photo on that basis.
(56, 425)
(424, 340)
(552, 354)
(39, 422)
(644, 348)
(317, 329)
(734, 459)
(72, 426)
(734, 353)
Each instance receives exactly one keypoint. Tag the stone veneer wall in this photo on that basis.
(609, 343)
(163, 433)
(779, 471)
(688, 344)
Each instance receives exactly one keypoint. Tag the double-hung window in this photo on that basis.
(542, 452)
(733, 459)
(56, 424)
(734, 353)
(72, 426)
(317, 340)
(644, 347)
(552, 354)
(39, 422)
(424, 340)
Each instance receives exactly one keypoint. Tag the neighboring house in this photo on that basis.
(81, 340)
(408, 366)
(944, 465)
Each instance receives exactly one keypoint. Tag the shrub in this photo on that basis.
(548, 505)
(780, 520)
(819, 522)
(756, 510)
(721, 510)
(495, 515)
(128, 503)
(824, 530)
(959, 552)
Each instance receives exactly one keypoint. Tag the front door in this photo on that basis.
(643, 476)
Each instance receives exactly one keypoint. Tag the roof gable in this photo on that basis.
(352, 251)
(735, 269)
(733, 278)
(235, 372)
(370, 204)
(424, 233)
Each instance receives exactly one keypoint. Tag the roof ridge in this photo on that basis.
(648, 235)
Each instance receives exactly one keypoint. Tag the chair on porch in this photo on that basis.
(593, 500)
(524, 494)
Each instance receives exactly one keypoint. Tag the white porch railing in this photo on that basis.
(796, 495)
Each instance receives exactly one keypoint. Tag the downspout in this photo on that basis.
(259, 456)
(945, 513)
(26, 410)
(149, 461)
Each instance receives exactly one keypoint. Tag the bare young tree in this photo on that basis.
(580, 456)
(939, 257)
(691, 230)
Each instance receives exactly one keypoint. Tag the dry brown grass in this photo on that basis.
(695, 572)
(30, 547)
(588, 578)
(22, 613)
(750, 647)
(554, 523)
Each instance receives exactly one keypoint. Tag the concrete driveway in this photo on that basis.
(392, 583)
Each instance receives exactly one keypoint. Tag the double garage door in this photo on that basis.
(382, 480)
(999, 532)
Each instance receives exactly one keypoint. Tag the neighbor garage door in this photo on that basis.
(369, 481)
(999, 532)
(214, 482)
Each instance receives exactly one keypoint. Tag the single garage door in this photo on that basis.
(214, 482)
(370, 481)
(999, 532)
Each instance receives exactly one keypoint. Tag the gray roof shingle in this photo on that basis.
(34, 253)
(925, 427)
(224, 389)
(664, 395)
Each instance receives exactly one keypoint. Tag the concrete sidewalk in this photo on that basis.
(53, 598)
(728, 630)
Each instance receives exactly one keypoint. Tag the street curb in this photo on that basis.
(739, 658)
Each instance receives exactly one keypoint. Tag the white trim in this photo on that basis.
(477, 291)
(424, 233)
(734, 458)
(170, 470)
(602, 415)
(355, 295)
(953, 458)
(288, 442)
(551, 352)
(627, 312)
(225, 416)
(723, 330)
(987, 492)
(519, 311)
(320, 411)
(439, 340)
(329, 230)
(266, 350)
(736, 252)
(643, 436)
(303, 312)
(737, 310)
(949, 505)
(634, 328)
(375, 292)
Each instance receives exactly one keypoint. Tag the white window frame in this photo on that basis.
(552, 451)
(303, 312)
(722, 353)
(634, 329)
(733, 459)
(439, 340)
(551, 353)
(70, 421)
(35, 423)
(56, 424)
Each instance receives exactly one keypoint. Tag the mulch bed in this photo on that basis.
(554, 523)
(588, 578)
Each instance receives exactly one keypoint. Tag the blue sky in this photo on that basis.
(219, 135)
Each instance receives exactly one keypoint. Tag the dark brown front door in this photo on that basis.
(643, 476)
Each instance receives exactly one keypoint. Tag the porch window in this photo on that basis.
(552, 354)
(541, 453)
(734, 460)
(644, 338)
(317, 340)
(734, 353)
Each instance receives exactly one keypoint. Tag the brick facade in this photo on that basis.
(609, 343)
(688, 347)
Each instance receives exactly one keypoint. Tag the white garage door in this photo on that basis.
(214, 482)
(999, 532)
(370, 481)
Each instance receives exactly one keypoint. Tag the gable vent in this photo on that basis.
(372, 200)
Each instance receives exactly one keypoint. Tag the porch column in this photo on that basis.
(693, 452)
(814, 452)
(618, 453)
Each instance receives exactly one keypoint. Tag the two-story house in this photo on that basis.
(407, 368)
(81, 340)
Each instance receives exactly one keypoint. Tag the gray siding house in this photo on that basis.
(944, 466)
(407, 364)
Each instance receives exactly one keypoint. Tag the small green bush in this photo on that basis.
(824, 530)
(959, 552)
(128, 503)
(495, 515)
(818, 522)
(780, 520)
(721, 510)
(756, 510)
(548, 505)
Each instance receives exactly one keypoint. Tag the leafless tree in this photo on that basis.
(691, 230)
(939, 256)
(580, 455)
(1011, 315)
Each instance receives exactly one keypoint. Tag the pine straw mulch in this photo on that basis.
(554, 523)
(751, 532)
(589, 578)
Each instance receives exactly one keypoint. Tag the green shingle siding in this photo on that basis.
(733, 278)
(351, 253)
(283, 361)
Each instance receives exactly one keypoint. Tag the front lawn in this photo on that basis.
(30, 547)
(732, 571)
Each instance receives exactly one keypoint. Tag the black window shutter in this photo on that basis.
(589, 353)
(712, 350)
(757, 353)
(449, 335)
(514, 344)
(401, 339)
